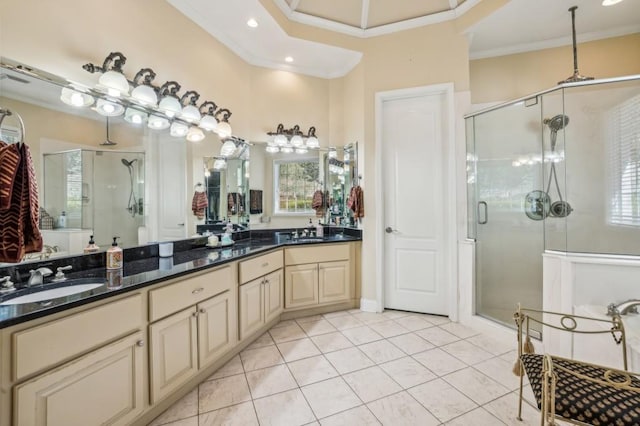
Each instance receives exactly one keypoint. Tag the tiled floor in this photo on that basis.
(359, 368)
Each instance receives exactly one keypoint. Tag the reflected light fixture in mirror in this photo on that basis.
(219, 164)
(133, 116)
(157, 122)
(76, 98)
(195, 134)
(288, 140)
(228, 148)
(109, 109)
(144, 93)
(178, 130)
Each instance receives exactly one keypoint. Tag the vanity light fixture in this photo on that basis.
(228, 148)
(108, 108)
(208, 121)
(195, 134)
(219, 164)
(112, 81)
(157, 122)
(190, 112)
(288, 140)
(75, 98)
(144, 92)
(224, 128)
(178, 130)
(333, 153)
(134, 116)
(169, 103)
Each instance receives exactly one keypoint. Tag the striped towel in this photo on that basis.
(199, 204)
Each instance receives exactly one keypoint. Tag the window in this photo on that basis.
(295, 181)
(623, 134)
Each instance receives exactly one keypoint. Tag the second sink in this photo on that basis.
(69, 289)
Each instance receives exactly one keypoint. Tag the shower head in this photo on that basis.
(128, 163)
(557, 123)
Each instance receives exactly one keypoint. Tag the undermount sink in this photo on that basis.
(66, 289)
(306, 239)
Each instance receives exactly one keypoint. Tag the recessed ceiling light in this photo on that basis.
(288, 59)
(610, 2)
(252, 23)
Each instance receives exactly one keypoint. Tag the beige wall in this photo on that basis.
(512, 76)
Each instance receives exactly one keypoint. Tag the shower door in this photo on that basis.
(505, 163)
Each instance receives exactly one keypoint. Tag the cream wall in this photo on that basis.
(512, 76)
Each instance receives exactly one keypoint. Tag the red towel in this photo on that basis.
(356, 201)
(199, 204)
(19, 215)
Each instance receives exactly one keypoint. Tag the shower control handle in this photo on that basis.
(483, 219)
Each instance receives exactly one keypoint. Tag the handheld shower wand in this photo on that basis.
(559, 208)
(132, 205)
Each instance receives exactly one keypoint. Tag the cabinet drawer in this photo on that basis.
(40, 347)
(316, 254)
(177, 296)
(259, 266)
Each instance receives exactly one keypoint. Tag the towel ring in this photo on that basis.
(6, 113)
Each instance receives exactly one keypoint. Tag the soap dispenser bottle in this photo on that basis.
(91, 247)
(319, 229)
(114, 255)
(62, 220)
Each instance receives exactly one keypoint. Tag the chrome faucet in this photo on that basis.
(629, 306)
(60, 273)
(37, 275)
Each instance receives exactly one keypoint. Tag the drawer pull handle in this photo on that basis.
(265, 264)
(197, 290)
(140, 343)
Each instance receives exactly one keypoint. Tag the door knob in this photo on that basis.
(389, 230)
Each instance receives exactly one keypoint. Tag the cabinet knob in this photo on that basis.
(202, 311)
(195, 314)
(197, 290)
(266, 281)
(140, 343)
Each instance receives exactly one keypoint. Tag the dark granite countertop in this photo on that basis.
(140, 273)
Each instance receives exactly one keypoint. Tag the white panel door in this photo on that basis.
(413, 138)
(171, 182)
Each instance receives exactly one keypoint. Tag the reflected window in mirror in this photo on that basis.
(295, 182)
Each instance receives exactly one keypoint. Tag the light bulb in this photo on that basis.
(312, 142)
(145, 95)
(280, 140)
(170, 106)
(297, 141)
(190, 114)
(228, 148)
(195, 134)
(114, 83)
(272, 149)
(157, 123)
(178, 130)
(134, 116)
(109, 109)
(301, 150)
(223, 129)
(75, 98)
(286, 149)
(209, 123)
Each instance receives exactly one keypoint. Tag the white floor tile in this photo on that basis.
(191, 421)
(335, 314)
(262, 341)
(491, 345)
(344, 322)
(225, 392)
(309, 318)
(413, 323)
(298, 349)
(231, 368)
(312, 370)
(442, 399)
(410, 343)
(459, 330)
(291, 331)
(284, 409)
(254, 359)
(435, 319)
(466, 352)
(401, 410)
(270, 380)
(439, 362)
(315, 328)
(284, 323)
(501, 371)
(388, 328)
(477, 417)
(361, 335)
(348, 360)
(437, 336)
(330, 397)
(477, 386)
(360, 416)
(391, 314)
(331, 342)
(370, 317)
(506, 409)
(407, 372)
(381, 351)
(236, 415)
(371, 384)
(186, 407)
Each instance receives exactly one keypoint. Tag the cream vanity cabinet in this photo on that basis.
(261, 291)
(318, 275)
(86, 368)
(193, 323)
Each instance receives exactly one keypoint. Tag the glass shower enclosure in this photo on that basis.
(101, 191)
(555, 171)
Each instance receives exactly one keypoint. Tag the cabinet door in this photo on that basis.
(301, 285)
(334, 282)
(216, 321)
(273, 295)
(251, 307)
(174, 356)
(102, 387)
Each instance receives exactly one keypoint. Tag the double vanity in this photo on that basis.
(124, 351)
